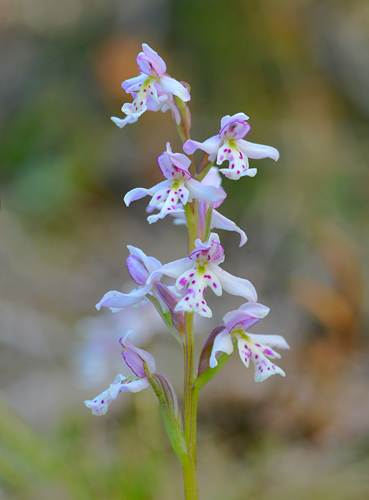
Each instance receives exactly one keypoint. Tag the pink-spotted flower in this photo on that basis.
(152, 90)
(201, 270)
(218, 221)
(230, 145)
(179, 186)
(140, 268)
(258, 348)
(135, 359)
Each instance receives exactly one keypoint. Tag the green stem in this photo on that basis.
(190, 413)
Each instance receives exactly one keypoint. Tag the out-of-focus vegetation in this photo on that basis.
(300, 71)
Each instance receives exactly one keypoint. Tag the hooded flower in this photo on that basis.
(152, 90)
(230, 145)
(140, 268)
(258, 348)
(135, 359)
(179, 186)
(201, 270)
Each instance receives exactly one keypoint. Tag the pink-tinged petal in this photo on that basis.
(212, 178)
(201, 191)
(194, 300)
(234, 285)
(171, 86)
(155, 105)
(257, 151)
(218, 221)
(250, 172)
(174, 165)
(150, 62)
(228, 119)
(138, 193)
(122, 122)
(177, 267)
(178, 159)
(154, 218)
(269, 340)
(222, 343)
(135, 358)
(246, 316)
(255, 310)
(132, 84)
(178, 192)
(100, 404)
(151, 263)
(137, 270)
(210, 146)
(264, 368)
(160, 196)
(118, 300)
(235, 129)
(130, 385)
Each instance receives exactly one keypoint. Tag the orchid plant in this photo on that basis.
(191, 194)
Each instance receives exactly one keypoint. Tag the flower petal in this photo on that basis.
(122, 122)
(222, 343)
(218, 221)
(246, 315)
(177, 267)
(132, 84)
(269, 340)
(138, 193)
(151, 263)
(228, 119)
(100, 404)
(264, 368)
(201, 191)
(210, 146)
(135, 357)
(234, 285)
(118, 300)
(257, 151)
(131, 384)
(172, 86)
(150, 62)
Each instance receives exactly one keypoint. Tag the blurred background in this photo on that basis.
(300, 70)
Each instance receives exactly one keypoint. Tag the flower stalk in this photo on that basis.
(192, 195)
